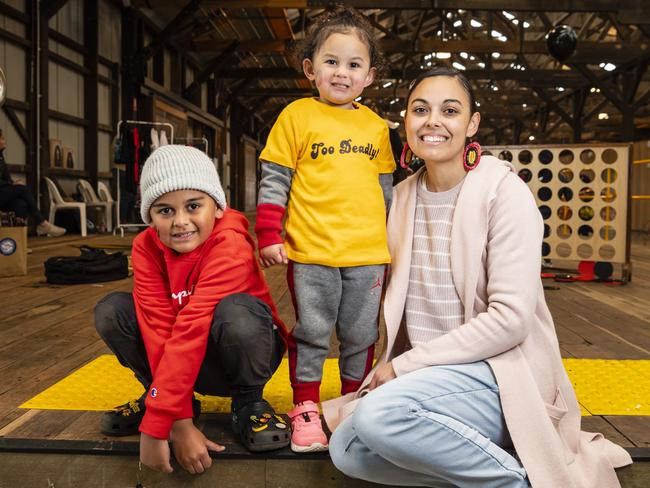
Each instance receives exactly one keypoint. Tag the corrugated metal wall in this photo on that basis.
(13, 60)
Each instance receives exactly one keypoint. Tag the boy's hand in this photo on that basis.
(154, 453)
(191, 446)
(273, 254)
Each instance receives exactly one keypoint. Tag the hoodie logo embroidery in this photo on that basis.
(182, 294)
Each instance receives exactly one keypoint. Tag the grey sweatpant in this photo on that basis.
(324, 297)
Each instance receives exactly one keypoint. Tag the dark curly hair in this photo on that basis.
(339, 20)
(451, 73)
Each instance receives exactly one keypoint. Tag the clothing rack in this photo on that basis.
(121, 226)
(190, 140)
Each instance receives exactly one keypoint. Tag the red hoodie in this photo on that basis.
(175, 297)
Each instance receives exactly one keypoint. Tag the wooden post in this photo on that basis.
(91, 91)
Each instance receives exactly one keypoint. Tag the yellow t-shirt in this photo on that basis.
(336, 214)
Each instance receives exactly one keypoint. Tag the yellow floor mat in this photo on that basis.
(611, 386)
(603, 387)
(104, 383)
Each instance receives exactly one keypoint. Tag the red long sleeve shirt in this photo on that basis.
(175, 297)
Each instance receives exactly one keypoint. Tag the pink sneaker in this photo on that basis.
(306, 429)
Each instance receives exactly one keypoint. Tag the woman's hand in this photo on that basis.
(191, 446)
(154, 453)
(384, 374)
(273, 254)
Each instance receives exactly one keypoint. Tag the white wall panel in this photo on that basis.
(15, 151)
(13, 26)
(167, 71)
(13, 63)
(66, 90)
(104, 70)
(104, 103)
(110, 31)
(17, 4)
(69, 20)
(104, 141)
(66, 52)
(147, 41)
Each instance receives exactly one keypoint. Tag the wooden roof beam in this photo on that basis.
(494, 5)
(281, 29)
(587, 51)
(170, 29)
(212, 67)
(540, 77)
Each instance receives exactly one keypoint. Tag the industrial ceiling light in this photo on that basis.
(3, 87)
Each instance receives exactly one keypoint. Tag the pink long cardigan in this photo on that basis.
(495, 261)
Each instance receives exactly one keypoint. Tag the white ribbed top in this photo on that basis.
(433, 306)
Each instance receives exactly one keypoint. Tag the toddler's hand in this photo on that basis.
(273, 254)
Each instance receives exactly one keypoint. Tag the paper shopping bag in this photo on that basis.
(13, 251)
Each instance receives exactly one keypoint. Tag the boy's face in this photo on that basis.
(340, 69)
(184, 219)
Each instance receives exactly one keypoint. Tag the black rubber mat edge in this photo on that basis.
(126, 448)
(130, 448)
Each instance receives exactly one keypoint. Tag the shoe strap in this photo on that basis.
(258, 407)
(307, 407)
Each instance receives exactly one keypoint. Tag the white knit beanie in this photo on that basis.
(175, 167)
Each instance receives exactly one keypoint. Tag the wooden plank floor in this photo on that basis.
(46, 332)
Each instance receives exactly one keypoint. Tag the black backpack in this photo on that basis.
(93, 266)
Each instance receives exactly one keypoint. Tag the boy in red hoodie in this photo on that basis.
(200, 318)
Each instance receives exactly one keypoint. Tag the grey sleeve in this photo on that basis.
(386, 183)
(275, 184)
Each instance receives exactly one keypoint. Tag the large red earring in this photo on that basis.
(407, 156)
(471, 156)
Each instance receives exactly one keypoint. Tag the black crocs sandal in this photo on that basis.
(260, 428)
(125, 419)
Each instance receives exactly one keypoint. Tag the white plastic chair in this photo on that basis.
(57, 202)
(104, 193)
(92, 200)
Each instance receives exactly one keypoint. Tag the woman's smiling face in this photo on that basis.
(439, 119)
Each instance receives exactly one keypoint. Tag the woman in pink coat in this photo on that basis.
(470, 389)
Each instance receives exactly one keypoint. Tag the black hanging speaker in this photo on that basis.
(561, 42)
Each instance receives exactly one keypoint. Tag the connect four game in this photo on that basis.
(583, 196)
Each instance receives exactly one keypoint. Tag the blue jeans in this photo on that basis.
(439, 426)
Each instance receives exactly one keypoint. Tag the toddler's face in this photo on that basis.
(184, 219)
(340, 69)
